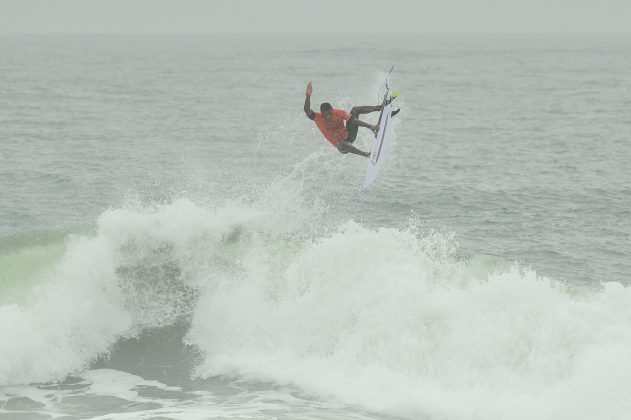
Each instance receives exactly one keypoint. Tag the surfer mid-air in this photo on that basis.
(331, 123)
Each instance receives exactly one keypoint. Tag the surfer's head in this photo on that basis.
(326, 109)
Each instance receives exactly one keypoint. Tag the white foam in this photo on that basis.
(82, 305)
(366, 317)
(385, 319)
(73, 316)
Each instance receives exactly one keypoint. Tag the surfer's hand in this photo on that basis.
(374, 128)
(309, 89)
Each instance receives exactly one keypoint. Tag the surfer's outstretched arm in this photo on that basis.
(308, 110)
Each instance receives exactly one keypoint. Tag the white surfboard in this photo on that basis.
(380, 143)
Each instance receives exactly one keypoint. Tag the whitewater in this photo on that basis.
(178, 260)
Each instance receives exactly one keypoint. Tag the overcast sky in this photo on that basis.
(314, 16)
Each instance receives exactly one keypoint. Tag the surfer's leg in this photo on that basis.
(358, 110)
(346, 147)
(365, 109)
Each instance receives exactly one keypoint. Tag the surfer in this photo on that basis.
(331, 123)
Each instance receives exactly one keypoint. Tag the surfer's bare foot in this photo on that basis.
(366, 154)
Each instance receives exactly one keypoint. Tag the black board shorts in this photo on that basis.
(352, 128)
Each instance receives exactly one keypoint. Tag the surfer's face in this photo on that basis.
(326, 115)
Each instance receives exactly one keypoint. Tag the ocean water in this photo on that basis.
(177, 240)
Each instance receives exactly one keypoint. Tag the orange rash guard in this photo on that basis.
(334, 129)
